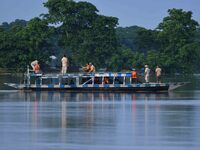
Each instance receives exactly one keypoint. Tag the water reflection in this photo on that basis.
(89, 97)
(60, 120)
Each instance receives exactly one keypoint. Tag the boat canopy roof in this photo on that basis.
(74, 75)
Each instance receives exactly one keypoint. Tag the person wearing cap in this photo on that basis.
(35, 66)
(65, 63)
(158, 74)
(134, 76)
(146, 73)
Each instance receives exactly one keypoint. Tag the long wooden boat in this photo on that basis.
(121, 82)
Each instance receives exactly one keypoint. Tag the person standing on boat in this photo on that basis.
(134, 76)
(65, 63)
(35, 66)
(146, 73)
(158, 74)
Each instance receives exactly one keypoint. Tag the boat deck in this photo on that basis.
(89, 82)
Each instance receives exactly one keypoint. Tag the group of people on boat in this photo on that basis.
(90, 68)
(135, 77)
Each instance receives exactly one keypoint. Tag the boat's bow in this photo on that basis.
(16, 86)
(173, 86)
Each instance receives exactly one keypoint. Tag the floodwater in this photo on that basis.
(100, 121)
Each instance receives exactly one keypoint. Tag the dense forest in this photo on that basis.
(78, 30)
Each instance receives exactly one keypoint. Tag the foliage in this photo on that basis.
(122, 60)
(128, 37)
(77, 29)
(22, 44)
(176, 35)
(89, 37)
(174, 44)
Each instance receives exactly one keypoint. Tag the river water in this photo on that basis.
(100, 121)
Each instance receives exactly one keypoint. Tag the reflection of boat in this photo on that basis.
(89, 82)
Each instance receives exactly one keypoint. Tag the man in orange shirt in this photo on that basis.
(134, 76)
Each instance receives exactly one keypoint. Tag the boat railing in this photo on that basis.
(87, 81)
(79, 78)
(113, 78)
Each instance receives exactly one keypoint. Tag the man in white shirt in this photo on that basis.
(146, 73)
(65, 63)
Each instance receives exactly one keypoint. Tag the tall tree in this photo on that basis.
(128, 36)
(88, 35)
(21, 44)
(35, 43)
(175, 32)
(146, 40)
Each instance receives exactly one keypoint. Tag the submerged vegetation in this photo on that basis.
(78, 30)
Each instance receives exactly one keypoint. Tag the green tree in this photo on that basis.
(190, 54)
(138, 60)
(21, 44)
(175, 32)
(35, 43)
(128, 36)
(9, 46)
(87, 35)
(122, 60)
(146, 40)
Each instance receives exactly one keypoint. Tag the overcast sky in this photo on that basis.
(145, 13)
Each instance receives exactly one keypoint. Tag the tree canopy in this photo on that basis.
(174, 44)
(21, 44)
(89, 37)
(78, 30)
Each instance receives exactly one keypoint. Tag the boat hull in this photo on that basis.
(153, 87)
